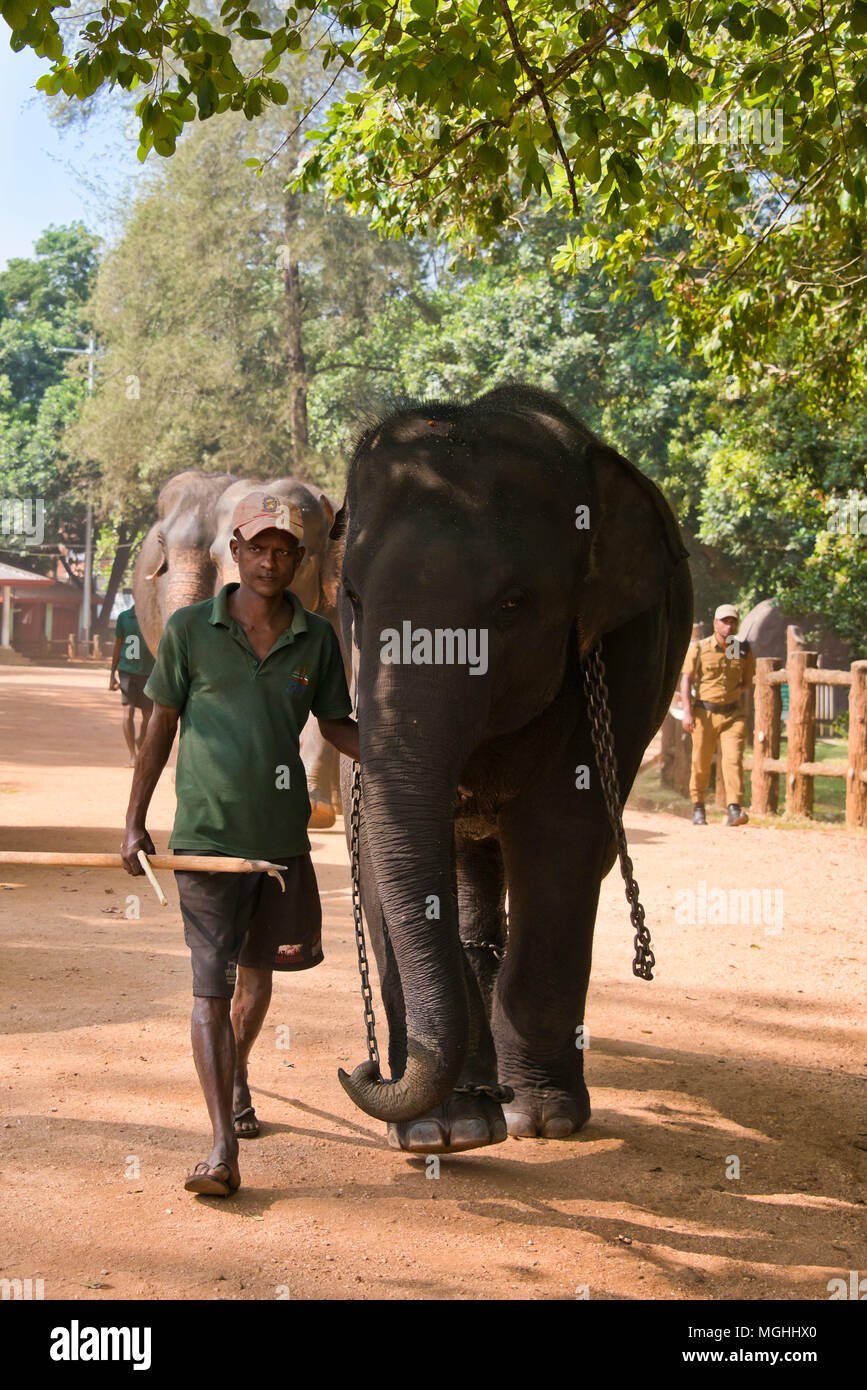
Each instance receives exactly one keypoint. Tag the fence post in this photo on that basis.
(70, 646)
(766, 743)
(801, 733)
(676, 756)
(856, 790)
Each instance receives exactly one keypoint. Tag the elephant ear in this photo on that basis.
(635, 546)
(332, 560)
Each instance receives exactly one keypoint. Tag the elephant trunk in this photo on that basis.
(189, 579)
(408, 799)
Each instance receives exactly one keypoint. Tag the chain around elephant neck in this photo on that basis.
(596, 690)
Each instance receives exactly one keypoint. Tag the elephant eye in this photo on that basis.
(512, 603)
(351, 594)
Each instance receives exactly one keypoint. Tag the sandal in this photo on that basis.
(252, 1130)
(207, 1180)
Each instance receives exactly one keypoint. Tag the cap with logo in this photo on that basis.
(726, 610)
(260, 511)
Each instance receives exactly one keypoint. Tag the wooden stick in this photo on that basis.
(186, 863)
(152, 878)
(217, 863)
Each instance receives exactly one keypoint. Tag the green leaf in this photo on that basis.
(206, 95)
(858, 17)
(425, 9)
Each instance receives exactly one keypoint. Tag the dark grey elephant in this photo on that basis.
(174, 567)
(316, 586)
(505, 521)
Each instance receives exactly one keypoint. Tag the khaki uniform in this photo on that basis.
(717, 675)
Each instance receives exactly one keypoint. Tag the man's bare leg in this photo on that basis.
(129, 731)
(249, 1006)
(145, 720)
(214, 1054)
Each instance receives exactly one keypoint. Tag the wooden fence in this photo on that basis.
(804, 677)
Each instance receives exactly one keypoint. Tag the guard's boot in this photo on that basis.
(735, 815)
(698, 815)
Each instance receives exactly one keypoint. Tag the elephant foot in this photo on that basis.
(461, 1122)
(322, 816)
(548, 1114)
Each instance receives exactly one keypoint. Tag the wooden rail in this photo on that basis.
(802, 675)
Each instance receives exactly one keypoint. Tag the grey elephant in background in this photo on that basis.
(487, 548)
(174, 567)
(316, 586)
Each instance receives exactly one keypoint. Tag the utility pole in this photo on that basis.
(86, 605)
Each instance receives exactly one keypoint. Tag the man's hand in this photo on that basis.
(688, 722)
(136, 838)
(113, 682)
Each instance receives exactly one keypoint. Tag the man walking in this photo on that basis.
(720, 669)
(240, 673)
(131, 664)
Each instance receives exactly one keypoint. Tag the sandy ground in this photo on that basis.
(746, 1053)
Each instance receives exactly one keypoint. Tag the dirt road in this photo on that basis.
(725, 1157)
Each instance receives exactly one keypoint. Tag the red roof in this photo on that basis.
(10, 575)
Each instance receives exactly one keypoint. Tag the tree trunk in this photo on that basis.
(125, 537)
(295, 340)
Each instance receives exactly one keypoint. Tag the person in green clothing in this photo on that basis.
(131, 664)
(239, 673)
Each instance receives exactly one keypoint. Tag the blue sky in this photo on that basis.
(48, 175)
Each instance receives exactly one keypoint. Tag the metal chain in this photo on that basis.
(593, 672)
(484, 946)
(354, 837)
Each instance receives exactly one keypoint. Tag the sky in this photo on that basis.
(49, 175)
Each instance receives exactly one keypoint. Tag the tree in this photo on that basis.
(42, 315)
(219, 309)
(743, 125)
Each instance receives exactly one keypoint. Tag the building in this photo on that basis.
(37, 613)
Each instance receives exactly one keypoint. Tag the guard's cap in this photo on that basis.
(259, 511)
(726, 610)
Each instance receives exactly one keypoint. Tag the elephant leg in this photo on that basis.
(465, 1121)
(321, 765)
(554, 867)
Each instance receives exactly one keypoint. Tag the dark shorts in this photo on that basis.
(132, 686)
(244, 919)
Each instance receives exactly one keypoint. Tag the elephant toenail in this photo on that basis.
(425, 1136)
(557, 1127)
(469, 1130)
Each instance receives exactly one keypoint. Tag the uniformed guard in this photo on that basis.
(719, 669)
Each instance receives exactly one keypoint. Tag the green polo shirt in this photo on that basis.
(240, 781)
(134, 654)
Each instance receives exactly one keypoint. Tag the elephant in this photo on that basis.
(504, 517)
(316, 586)
(174, 566)
(765, 627)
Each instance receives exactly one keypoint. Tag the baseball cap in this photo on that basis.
(260, 510)
(726, 610)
